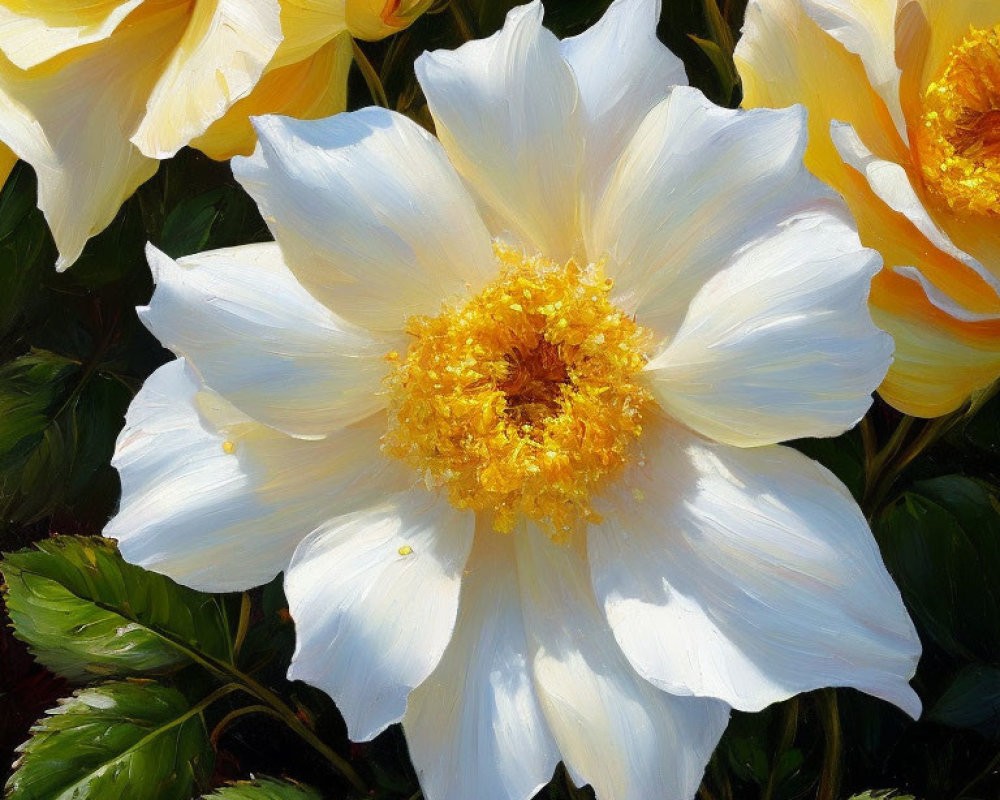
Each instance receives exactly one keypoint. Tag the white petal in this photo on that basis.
(616, 731)
(696, 184)
(622, 71)
(72, 124)
(779, 344)
(260, 340)
(891, 183)
(506, 110)
(748, 575)
(370, 215)
(374, 596)
(221, 516)
(42, 29)
(226, 46)
(474, 727)
(867, 29)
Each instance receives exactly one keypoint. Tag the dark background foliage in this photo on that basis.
(72, 355)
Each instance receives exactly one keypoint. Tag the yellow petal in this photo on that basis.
(376, 19)
(784, 58)
(865, 27)
(902, 244)
(7, 161)
(310, 89)
(33, 31)
(70, 118)
(307, 25)
(225, 49)
(939, 360)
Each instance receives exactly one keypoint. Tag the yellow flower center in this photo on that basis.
(959, 140)
(525, 399)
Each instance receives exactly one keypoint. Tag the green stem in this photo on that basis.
(231, 673)
(888, 465)
(375, 87)
(243, 625)
(931, 432)
(788, 731)
(981, 776)
(287, 715)
(461, 21)
(829, 779)
(218, 694)
(868, 441)
(704, 793)
(873, 465)
(232, 716)
(720, 776)
(392, 55)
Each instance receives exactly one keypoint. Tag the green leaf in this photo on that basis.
(971, 701)
(746, 747)
(133, 740)
(32, 389)
(216, 218)
(983, 430)
(882, 794)
(843, 455)
(941, 542)
(58, 423)
(719, 50)
(27, 254)
(723, 64)
(83, 612)
(265, 789)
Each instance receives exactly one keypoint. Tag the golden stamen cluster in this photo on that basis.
(525, 398)
(959, 141)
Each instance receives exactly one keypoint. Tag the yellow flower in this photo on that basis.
(94, 92)
(904, 116)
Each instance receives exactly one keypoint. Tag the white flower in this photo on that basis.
(505, 407)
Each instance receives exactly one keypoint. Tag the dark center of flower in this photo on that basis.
(959, 139)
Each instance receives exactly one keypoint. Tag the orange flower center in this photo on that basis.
(525, 399)
(959, 140)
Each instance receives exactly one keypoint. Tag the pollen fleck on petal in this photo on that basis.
(958, 141)
(405, 550)
(229, 447)
(526, 408)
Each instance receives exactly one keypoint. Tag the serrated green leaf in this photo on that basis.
(265, 789)
(941, 542)
(972, 700)
(133, 740)
(882, 794)
(83, 611)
